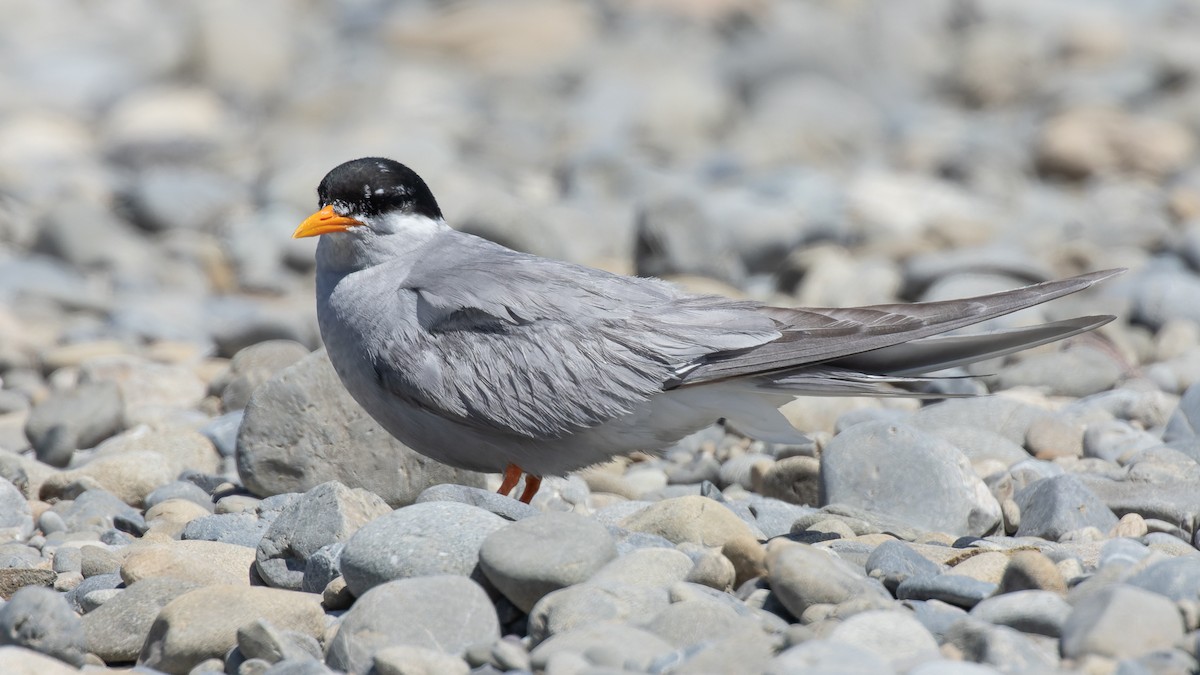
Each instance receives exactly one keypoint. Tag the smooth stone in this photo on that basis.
(692, 622)
(955, 589)
(262, 640)
(892, 562)
(1175, 578)
(328, 513)
(252, 367)
(429, 539)
(694, 519)
(747, 648)
(241, 529)
(634, 649)
(75, 419)
(17, 660)
(571, 608)
(535, 556)
(1031, 570)
(454, 612)
(794, 480)
(1040, 612)
(305, 420)
(1007, 417)
(827, 656)
(909, 474)
(1101, 624)
(203, 562)
(986, 566)
(40, 619)
(323, 566)
(894, 636)
(412, 660)
(1052, 507)
(16, 519)
(203, 623)
(802, 576)
(180, 489)
(117, 629)
(937, 616)
(1008, 650)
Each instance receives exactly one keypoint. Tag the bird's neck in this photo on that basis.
(350, 252)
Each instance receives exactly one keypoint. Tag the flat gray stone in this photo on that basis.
(446, 613)
(1175, 578)
(617, 645)
(955, 589)
(75, 419)
(433, 538)
(1008, 650)
(892, 562)
(827, 657)
(909, 474)
(538, 555)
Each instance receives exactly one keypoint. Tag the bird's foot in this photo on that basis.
(512, 474)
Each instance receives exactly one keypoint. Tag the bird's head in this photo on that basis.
(372, 194)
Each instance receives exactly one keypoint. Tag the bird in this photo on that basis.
(494, 360)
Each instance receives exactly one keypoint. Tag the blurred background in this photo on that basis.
(155, 157)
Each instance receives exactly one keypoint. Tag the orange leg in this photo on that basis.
(512, 474)
(532, 483)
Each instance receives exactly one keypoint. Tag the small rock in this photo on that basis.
(455, 614)
(692, 519)
(894, 636)
(1100, 624)
(72, 420)
(954, 589)
(412, 660)
(909, 474)
(203, 624)
(538, 555)
(328, 513)
(40, 619)
(826, 656)
(1052, 507)
(892, 562)
(1031, 570)
(1039, 612)
(203, 562)
(117, 629)
(802, 576)
(793, 480)
(630, 647)
(433, 538)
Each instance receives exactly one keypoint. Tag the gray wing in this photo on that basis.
(897, 339)
(524, 345)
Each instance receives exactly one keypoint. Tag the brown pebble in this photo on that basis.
(1031, 570)
(747, 556)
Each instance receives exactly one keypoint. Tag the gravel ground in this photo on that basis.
(185, 487)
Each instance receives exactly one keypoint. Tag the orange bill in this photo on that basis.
(323, 222)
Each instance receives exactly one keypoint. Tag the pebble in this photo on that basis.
(893, 562)
(203, 623)
(80, 418)
(954, 589)
(909, 474)
(203, 562)
(117, 629)
(428, 539)
(328, 513)
(1037, 612)
(454, 612)
(1099, 623)
(802, 576)
(40, 619)
(1053, 507)
(693, 519)
(514, 560)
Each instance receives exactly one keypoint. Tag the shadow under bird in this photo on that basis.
(489, 359)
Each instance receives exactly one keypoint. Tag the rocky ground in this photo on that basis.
(187, 489)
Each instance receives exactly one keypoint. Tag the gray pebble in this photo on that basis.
(613, 645)
(538, 555)
(1175, 578)
(1052, 507)
(1040, 612)
(76, 419)
(75, 597)
(936, 616)
(454, 613)
(1100, 623)
(16, 520)
(426, 539)
(40, 619)
(117, 629)
(180, 489)
(955, 589)
(892, 562)
(223, 431)
(328, 513)
(909, 474)
(243, 529)
(827, 656)
(1008, 650)
(802, 576)
(323, 566)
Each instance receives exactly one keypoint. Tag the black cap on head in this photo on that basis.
(374, 185)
